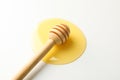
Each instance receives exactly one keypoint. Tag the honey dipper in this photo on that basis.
(57, 35)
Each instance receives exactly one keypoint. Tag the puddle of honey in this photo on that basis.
(60, 54)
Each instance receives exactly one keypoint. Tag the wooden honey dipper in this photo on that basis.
(57, 35)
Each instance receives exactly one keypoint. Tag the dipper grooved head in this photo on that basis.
(59, 33)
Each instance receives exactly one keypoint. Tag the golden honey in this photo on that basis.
(60, 54)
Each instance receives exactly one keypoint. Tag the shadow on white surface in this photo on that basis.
(41, 65)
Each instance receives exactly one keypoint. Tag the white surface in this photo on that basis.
(98, 19)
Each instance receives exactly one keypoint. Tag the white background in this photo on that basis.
(98, 19)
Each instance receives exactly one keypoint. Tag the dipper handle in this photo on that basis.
(28, 67)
